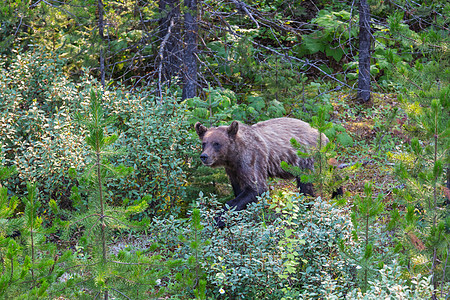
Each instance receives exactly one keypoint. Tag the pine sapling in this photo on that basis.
(98, 220)
(31, 265)
(325, 175)
(365, 214)
(424, 180)
(193, 277)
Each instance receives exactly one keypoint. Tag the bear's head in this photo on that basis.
(217, 143)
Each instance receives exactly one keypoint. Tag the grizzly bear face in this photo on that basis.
(217, 143)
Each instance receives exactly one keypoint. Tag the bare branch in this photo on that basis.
(161, 56)
(243, 6)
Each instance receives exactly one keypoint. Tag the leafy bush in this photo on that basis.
(222, 106)
(266, 253)
(158, 146)
(336, 26)
(280, 248)
(390, 285)
(39, 136)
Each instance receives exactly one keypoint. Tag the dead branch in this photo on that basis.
(161, 56)
(243, 6)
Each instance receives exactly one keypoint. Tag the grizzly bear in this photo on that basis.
(251, 154)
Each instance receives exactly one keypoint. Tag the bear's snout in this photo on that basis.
(204, 157)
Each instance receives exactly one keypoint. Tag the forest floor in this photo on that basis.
(378, 138)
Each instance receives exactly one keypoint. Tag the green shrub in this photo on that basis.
(266, 253)
(158, 146)
(39, 136)
(334, 26)
(390, 285)
(31, 266)
(291, 251)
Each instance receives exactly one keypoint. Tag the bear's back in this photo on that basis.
(280, 131)
(276, 134)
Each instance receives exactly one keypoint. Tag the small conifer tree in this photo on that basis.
(324, 175)
(31, 267)
(192, 278)
(366, 212)
(426, 223)
(128, 273)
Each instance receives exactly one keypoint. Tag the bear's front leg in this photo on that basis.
(236, 186)
(247, 196)
(305, 188)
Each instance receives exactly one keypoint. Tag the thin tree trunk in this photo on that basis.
(364, 51)
(102, 213)
(190, 59)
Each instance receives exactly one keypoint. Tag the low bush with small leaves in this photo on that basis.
(282, 247)
(389, 285)
(39, 136)
(267, 252)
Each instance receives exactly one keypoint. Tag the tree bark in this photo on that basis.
(364, 51)
(190, 50)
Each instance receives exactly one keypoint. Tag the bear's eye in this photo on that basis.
(216, 145)
(203, 145)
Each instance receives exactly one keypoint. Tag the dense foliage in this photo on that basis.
(101, 190)
(41, 138)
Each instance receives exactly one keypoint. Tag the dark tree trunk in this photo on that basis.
(169, 33)
(190, 50)
(364, 51)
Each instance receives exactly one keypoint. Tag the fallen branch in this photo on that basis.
(346, 165)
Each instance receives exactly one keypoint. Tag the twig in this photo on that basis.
(92, 215)
(120, 222)
(95, 224)
(133, 264)
(120, 293)
(305, 62)
(18, 27)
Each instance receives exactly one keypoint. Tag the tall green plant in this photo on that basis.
(106, 273)
(31, 265)
(365, 216)
(325, 174)
(425, 221)
(193, 277)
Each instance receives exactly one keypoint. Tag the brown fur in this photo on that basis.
(251, 154)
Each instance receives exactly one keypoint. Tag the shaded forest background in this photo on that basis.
(101, 180)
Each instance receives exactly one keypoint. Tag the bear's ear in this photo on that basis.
(200, 129)
(233, 129)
